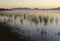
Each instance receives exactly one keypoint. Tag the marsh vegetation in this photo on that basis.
(29, 27)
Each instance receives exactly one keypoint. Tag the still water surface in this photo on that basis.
(34, 25)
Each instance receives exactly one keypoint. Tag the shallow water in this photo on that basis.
(34, 25)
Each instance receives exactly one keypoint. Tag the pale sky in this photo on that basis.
(29, 3)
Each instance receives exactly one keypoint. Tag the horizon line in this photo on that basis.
(30, 7)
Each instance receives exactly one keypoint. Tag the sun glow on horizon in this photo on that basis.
(29, 3)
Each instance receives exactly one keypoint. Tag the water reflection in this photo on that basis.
(29, 32)
(51, 20)
(35, 20)
(40, 18)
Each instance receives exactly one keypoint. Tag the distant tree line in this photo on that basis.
(1, 9)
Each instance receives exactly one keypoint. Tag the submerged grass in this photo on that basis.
(6, 34)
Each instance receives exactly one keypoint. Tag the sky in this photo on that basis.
(29, 3)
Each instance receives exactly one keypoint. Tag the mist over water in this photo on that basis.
(33, 25)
